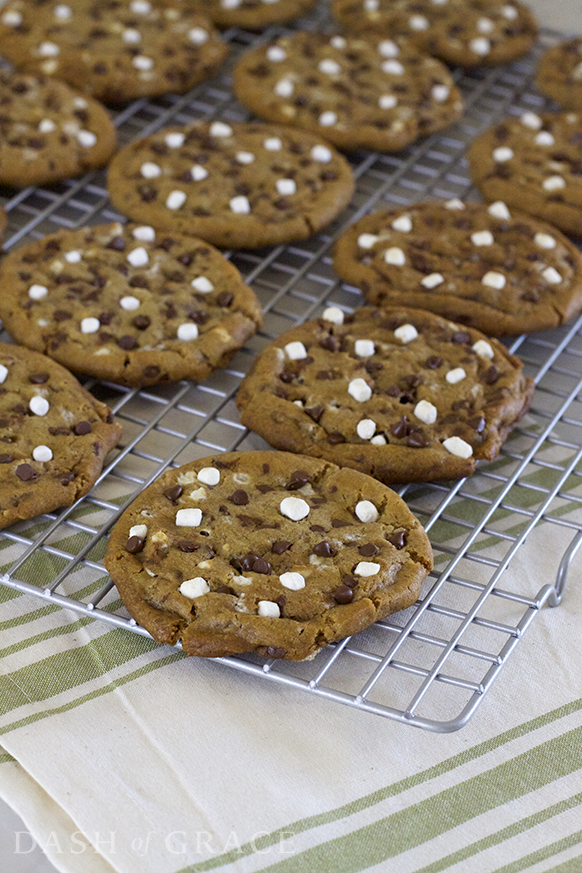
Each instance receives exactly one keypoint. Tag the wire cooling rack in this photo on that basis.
(431, 665)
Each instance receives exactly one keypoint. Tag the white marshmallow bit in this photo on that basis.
(193, 588)
(141, 7)
(90, 325)
(395, 256)
(553, 183)
(338, 42)
(294, 508)
(12, 18)
(364, 348)
(42, 454)
(552, 276)
(544, 138)
(37, 292)
(426, 411)
(483, 349)
(321, 153)
(432, 280)
(367, 240)
(39, 405)
(510, 12)
(129, 303)
(485, 25)
(144, 233)
(359, 390)
(366, 511)
(406, 333)
(86, 138)
(273, 144)
(219, 128)
(387, 101)
(175, 140)
(456, 375)
(329, 67)
(72, 257)
(402, 223)
(245, 157)
(175, 199)
(393, 68)
(286, 187)
(49, 50)
(388, 49)
(3, 373)
(138, 530)
(480, 45)
(366, 428)
(292, 581)
(498, 209)
(240, 205)
(149, 170)
(327, 119)
(545, 241)
(46, 126)
(457, 446)
(276, 54)
(502, 154)
(143, 63)
(268, 609)
(455, 203)
(333, 314)
(531, 120)
(440, 93)
(367, 568)
(197, 35)
(188, 517)
(482, 238)
(284, 88)
(209, 476)
(378, 440)
(202, 284)
(494, 280)
(295, 351)
(187, 332)
(131, 35)
(418, 22)
(138, 257)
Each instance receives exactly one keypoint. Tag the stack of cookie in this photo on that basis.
(279, 552)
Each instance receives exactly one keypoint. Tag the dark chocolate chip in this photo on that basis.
(223, 589)
(368, 550)
(187, 546)
(335, 438)
(280, 546)
(324, 550)
(127, 342)
(397, 539)
(343, 594)
(299, 478)
(350, 581)
(134, 545)
(261, 566)
(315, 412)
(224, 299)
(173, 493)
(6, 459)
(81, 428)
(38, 378)
(239, 498)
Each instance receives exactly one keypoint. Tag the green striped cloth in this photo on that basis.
(124, 756)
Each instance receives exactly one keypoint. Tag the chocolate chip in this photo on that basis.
(141, 322)
(261, 566)
(461, 336)
(350, 581)
(299, 478)
(478, 424)
(343, 594)
(280, 546)
(239, 498)
(127, 342)
(434, 362)
(38, 378)
(315, 412)
(491, 375)
(335, 438)
(417, 440)
(134, 545)
(275, 651)
(173, 493)
(117, 244)
(324, 550)
(81, 428)
(6, 459)
(337, 522)
(151, 373)
(330, 343)
(224, 589)
(187, 546)
(397, 539)
(400, 429)
(317, 528)
(224, 299)
(368, 550)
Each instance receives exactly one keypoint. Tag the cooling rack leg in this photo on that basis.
(557, 592)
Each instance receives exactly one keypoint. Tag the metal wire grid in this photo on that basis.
(431, 665)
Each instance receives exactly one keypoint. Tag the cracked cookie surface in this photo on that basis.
(401, 394)
(54, 435)
(357, 92)
(265, 552)
(127, 303)
(501, 272)
(243, 185)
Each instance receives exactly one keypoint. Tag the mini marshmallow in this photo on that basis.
(294, 508)
(131, 35)
(90, 325)
(483, 349)
(3, 373)
(198, 35)
(149, 170)
(327, 119)
(193, 588)
(494, 280)
(406, 333)
(366, 428)
(143, 63)
(138, 257)
(42, 454)
(333, 314)
(198, 173)
(276, 54)
(367, 568)
(188, 517)
(418, 22)
(387, 101)
(329, 67)
(388, 49)
(544, 138)
(364, 348)
(502, 154)
(187, 332)
(480, 45)
(366, 511)
(286, 187)
(552, 276)
(378, 440)
(545, 241)
(37, 292)
(321, 153)
(531, 120)
(456, 375)
(202, 284)
(138, 530)
(367, 240)
(218, 128)
(395, 256)
(209, 476)
(72, 257)
(39, 405)
(482, 238)
(240, 205)
(245, 157)
(359, 390)
(268, 609)
(498, 209)
(174, 140)
(440, 93)
(293, 581)
(402, 223)
(553, 183)
(284, 88)
(295, 351)
(426, 412)
(273, 144)
(129, 303)
(485, 25)
(175, 199)
(393, 68)
(454, 203)
(432, 280)
(46, 126)
(457, 446)
(144, 233)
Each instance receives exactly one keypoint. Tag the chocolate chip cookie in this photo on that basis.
(243, 185)
(54, 436)
(115, 50)
(253, 14)
(559, 74)
(128, 304)
(49, 132)
(464, 33)
(265, 552)
(533, 163)
(363, 93)
(400, 394)
(501, 272)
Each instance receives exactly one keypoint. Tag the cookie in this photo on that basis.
(464, 33)
(242, 185)
(54, 436)
(359, 93)
(501, 272)
(400, 394)
(559, 74)
(49, 132)
(533, 163)
(253, 14)
(116, 51)
(265, 552)
(127, 304)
